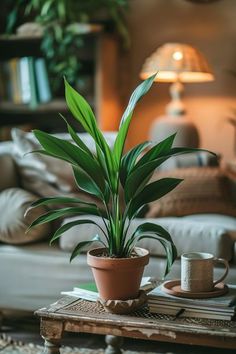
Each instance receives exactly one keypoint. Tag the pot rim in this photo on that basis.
(94, 261)
(97, 250)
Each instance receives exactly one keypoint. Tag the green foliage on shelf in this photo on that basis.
(62, 36)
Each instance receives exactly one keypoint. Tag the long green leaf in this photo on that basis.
(144, 169)
(151, 192)
(84, 114)
(184, 150)
(139, 177)
(46, 153)
(72, 154)
(129, 159)
(148, 230)
(81, 245)
(60, 200)
(151, 227)
(141, 90)
(169, 248)
(71, 224)
(76, 138)
(86, 183)
(81, 110)
(56, 214)
(159, 150)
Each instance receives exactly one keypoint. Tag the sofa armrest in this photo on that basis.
(9, 174)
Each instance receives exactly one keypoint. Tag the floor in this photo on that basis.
(26, 329)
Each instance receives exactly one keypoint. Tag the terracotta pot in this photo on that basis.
(117, 278)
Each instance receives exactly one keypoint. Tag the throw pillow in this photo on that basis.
(13, 224)
(204, 190)
(9, 178)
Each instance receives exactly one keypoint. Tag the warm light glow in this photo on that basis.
(177, 61)
(178, 55)
(170, 76)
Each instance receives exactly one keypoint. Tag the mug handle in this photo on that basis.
(226, 264)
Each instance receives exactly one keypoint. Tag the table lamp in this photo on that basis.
(177, 63)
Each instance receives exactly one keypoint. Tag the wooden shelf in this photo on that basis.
(56, 105)
(44, 115)
(15, 38)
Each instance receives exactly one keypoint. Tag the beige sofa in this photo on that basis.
(33, 275)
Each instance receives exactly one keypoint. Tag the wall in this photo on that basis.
(212, 29)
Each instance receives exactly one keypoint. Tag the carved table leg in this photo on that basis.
(51, 347)
(113, 344)
(51, 331)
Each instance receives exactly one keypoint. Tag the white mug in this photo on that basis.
(197, 270)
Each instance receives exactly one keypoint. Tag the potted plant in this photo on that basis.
(118, 265)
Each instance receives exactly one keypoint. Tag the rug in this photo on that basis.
(9, 346)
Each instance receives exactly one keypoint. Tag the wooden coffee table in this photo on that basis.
(70, 314)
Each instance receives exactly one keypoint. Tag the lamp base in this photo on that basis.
(164, 126)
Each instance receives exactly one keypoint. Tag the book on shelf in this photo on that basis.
(25, 81)
(14, 81)
(222, 307)
(42, 82)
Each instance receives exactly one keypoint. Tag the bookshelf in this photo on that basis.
(99, 69)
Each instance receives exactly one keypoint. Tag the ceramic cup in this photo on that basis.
(197, 270)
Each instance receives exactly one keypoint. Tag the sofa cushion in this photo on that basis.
(9, 178)
(204, 190)
(226, 221)
(187, 235)
(13, 224)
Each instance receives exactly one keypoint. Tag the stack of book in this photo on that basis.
(24, 81)
(221, 308)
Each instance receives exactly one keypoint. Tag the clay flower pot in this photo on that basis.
(117, 278)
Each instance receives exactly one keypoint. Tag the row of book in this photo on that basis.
(24, 81)
(218, 308)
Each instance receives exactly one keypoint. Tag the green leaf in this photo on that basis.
(151, 192)
(145, 167)
(84, 114)
(159, 150)
(72, 154)
(139, 177)
(71, 224)
(56, 214)
(158, 233)
(59, 200)
(46, 7)
(129, 159)
(85, 183)
(82, 111)
(46, 153)
(169, 248)
(151, 227)
(141, 90)
(81, 245)
(76, 138)
(184, 150)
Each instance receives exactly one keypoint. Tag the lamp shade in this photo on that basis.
(177, 61)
